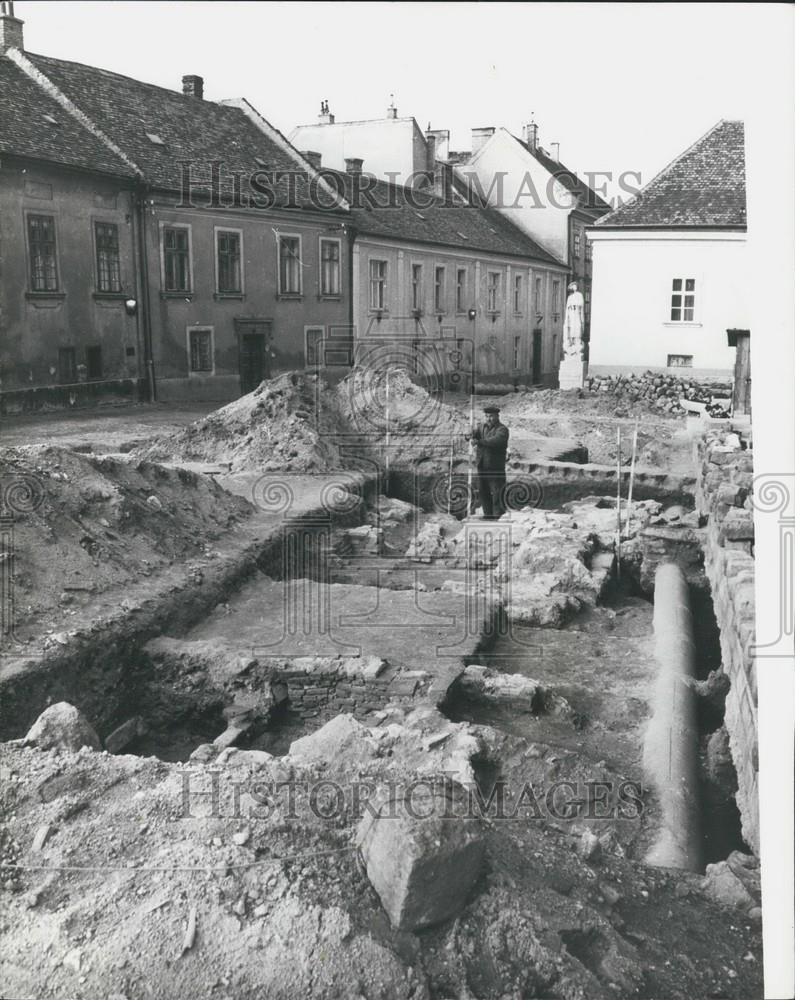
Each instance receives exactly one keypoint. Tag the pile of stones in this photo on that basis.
(665, 392)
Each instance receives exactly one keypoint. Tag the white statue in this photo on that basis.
(572, 326)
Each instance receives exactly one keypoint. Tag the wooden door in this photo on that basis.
(741, 402)
(253, 354)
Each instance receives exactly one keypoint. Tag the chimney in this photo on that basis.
(555, 146)
(193, 86)
(442, 137)
(530, 134)
(313, 157)
(325, 117)
(442, 181)
(353, 165)
(480, 136)
(10, 27)
(391, 111)
(430, 151)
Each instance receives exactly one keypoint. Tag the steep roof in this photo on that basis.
(130, 113)
(589, 198)
(703, 187)
(33, 124)
(417, 215)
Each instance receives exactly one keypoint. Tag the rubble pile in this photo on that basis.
(664, 392)
(244, 874)
(296, 423)
(83, 524)
(285, 424)
(385, 405)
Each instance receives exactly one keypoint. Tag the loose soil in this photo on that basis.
(546, 919)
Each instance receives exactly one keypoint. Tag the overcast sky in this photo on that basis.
(620, 86)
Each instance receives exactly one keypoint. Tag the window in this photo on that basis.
(41, 244)
(577, 242)
(176, 258)
(539, 295)
(555, 299)
(201, 350)
(313, 336)
(438, 290)
(588, 249)
(680, 360)
(517, 293)
(106, 239)
(460, 289)
(493, 292)
(67, 365)
(416, 287)
(93, 363)
(683, 300)
(517, 351)
(229, 273)
(378, 284)
(289, 265)
(329, 267)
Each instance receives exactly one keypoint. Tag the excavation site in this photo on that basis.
(283, 714)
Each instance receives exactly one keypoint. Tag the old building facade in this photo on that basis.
(670, 266)
(174, 247)
(450, 285)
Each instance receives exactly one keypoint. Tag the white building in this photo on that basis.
(393, 148)
(538, 194)
(669, 267)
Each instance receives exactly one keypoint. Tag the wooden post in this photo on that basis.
(618, 503)
(471, 446)
(632, 474)
(386, 437)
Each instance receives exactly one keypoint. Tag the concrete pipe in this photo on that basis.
(670, 754)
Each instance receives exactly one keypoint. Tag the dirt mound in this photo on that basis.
(395, 416)
(259, 893)
(297, 423)
(83, 524)
(285, 424)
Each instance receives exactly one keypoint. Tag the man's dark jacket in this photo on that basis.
(492, 446)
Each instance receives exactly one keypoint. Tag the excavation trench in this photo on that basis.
(332, 617)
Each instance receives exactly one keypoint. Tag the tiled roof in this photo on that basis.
(589, 197)
(33, 124)
(704, 187)
(129, 112)
(396, 212)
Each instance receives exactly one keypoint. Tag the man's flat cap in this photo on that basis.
(491, 409)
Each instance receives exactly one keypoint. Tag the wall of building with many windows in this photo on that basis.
(240, 295)
(455, 307)
(68, 268)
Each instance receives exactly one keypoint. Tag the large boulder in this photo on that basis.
(422, 850)
(62, 727)
(434, 539)
(341, 737)
(734, 882)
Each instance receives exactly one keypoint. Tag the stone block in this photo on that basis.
(124, 734)
(62, 727)
(730, 495)
(422, 852)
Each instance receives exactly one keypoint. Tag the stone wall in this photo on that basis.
(724, 496)
(321, 687)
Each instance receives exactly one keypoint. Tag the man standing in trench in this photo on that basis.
(491, 439)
